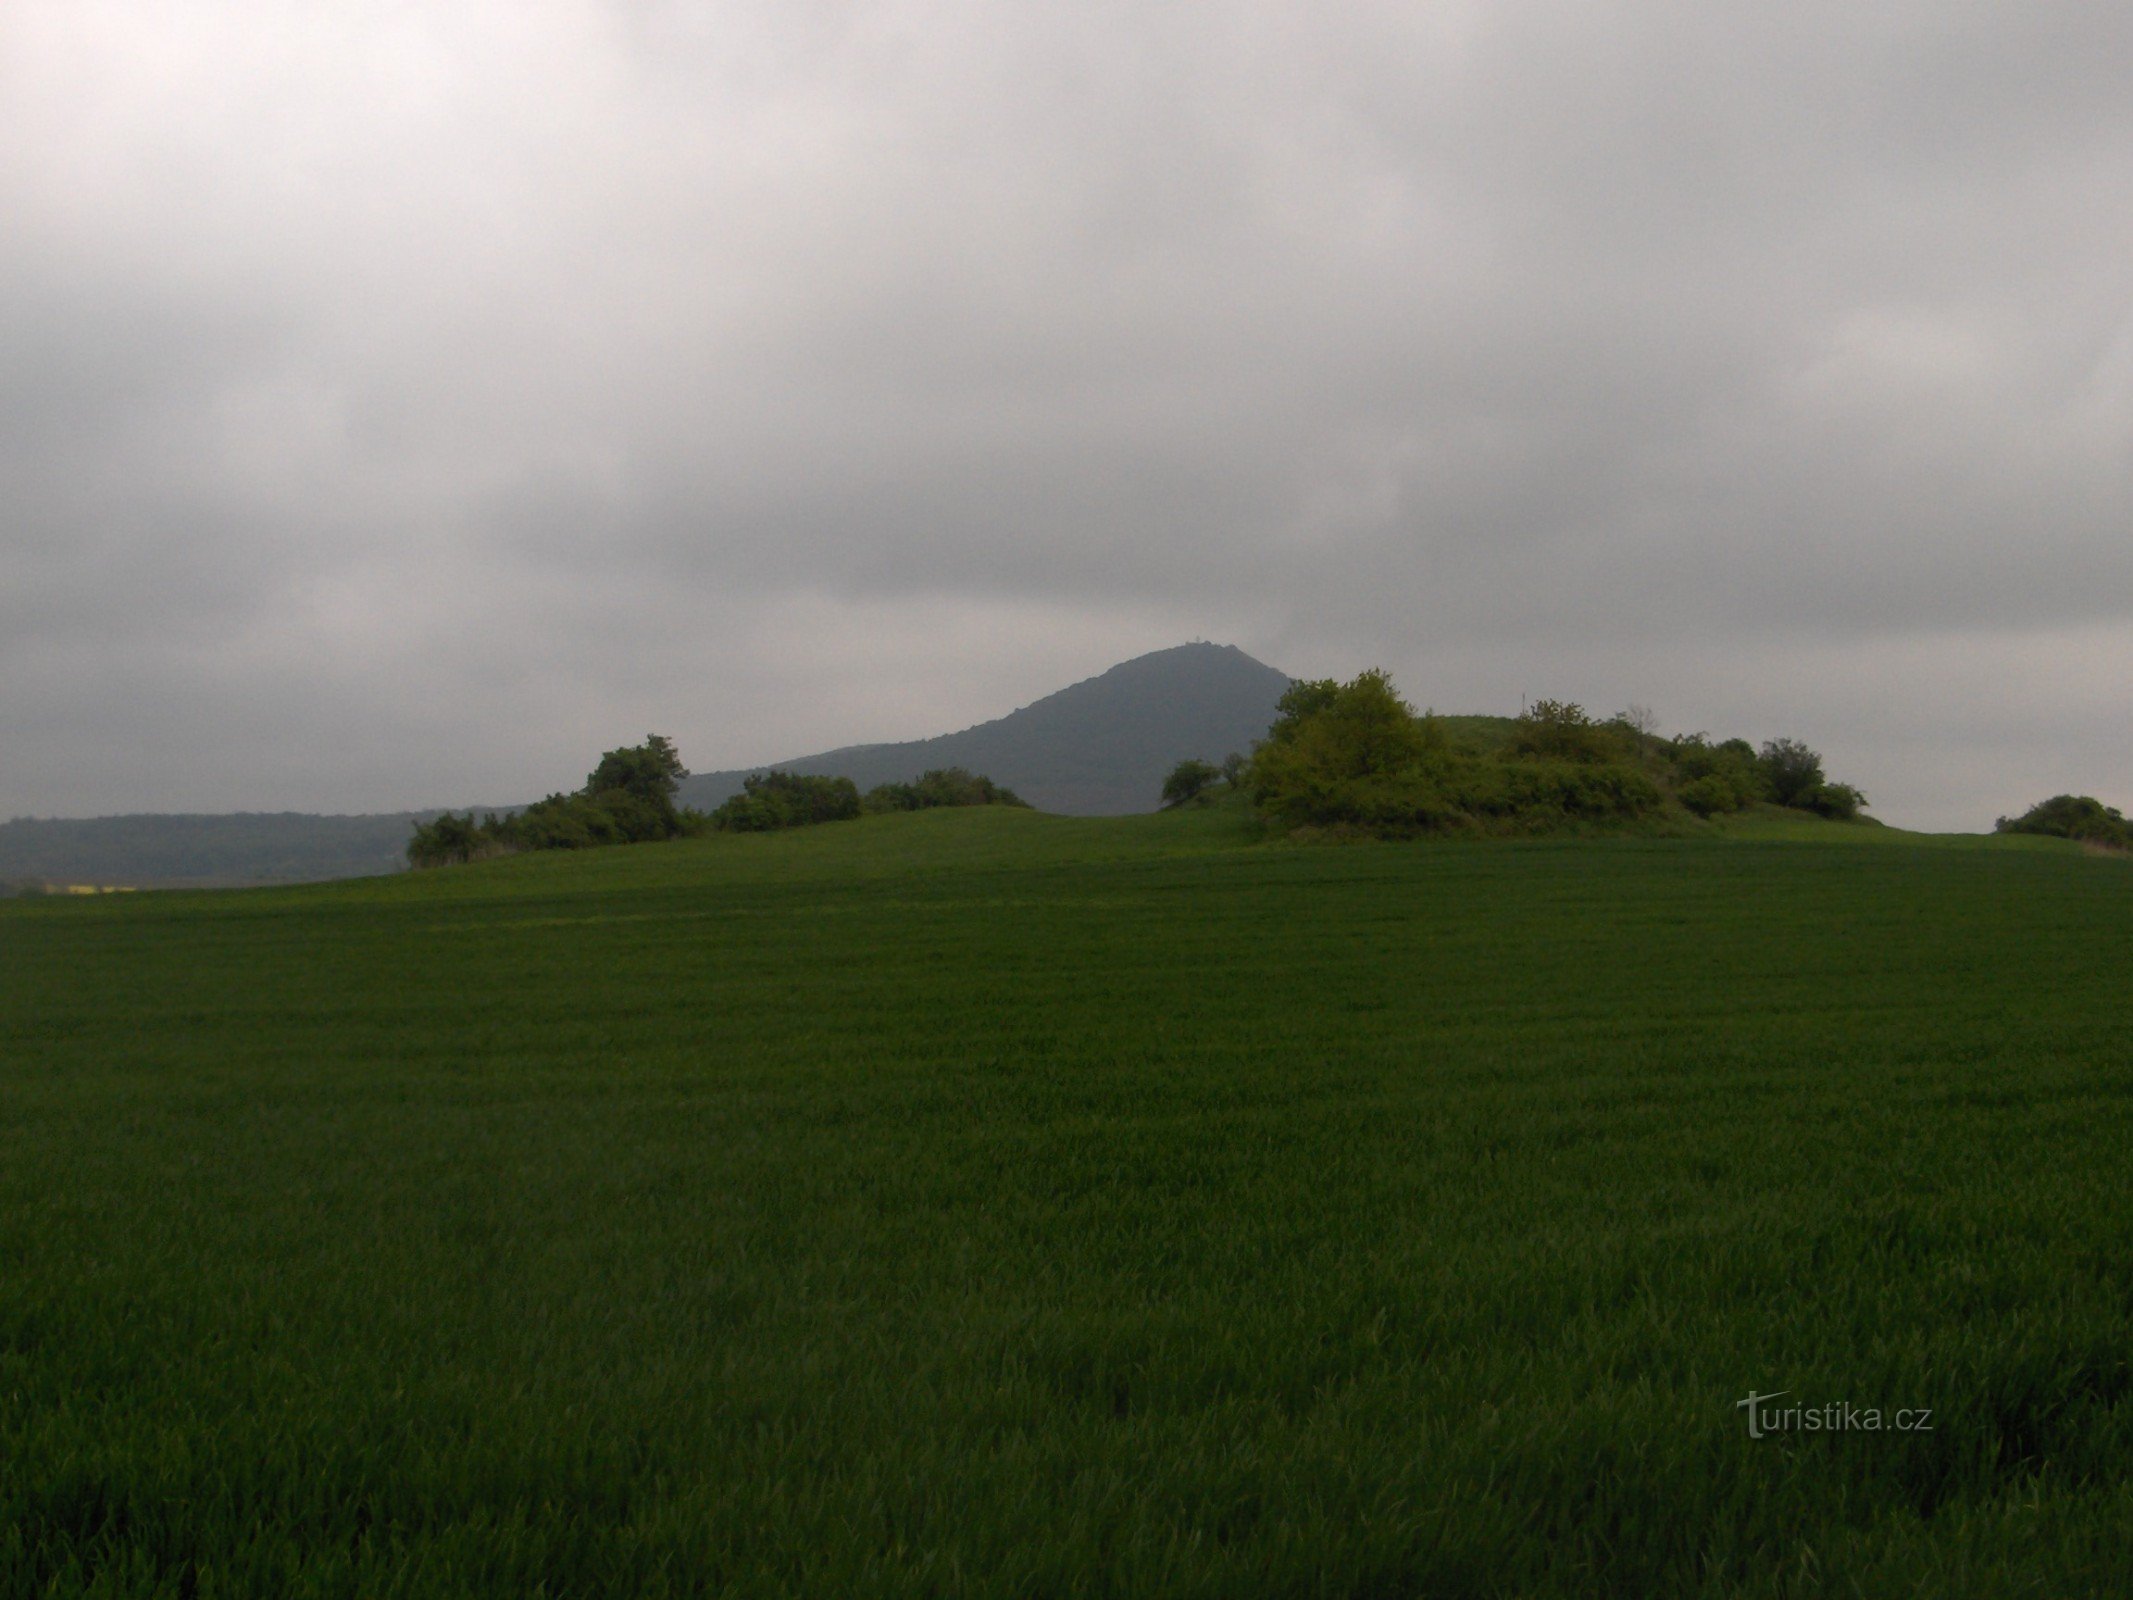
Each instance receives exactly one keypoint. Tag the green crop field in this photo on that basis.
(985, 1203)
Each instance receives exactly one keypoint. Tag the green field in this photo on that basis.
(986, 1203)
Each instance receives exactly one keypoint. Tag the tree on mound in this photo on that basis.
(942, 786)
(1188, 781)
(651, 772)
(773, 800)
(1718, 778)
(1355, 757)
(2073, 816)
(627, 799)
(1792, 775)
(1562, 730)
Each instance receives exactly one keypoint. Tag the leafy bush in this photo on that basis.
(627, 799)
(1838, 800)
(1736, 776)
(769, 801)
(2073, 816)
(450, 840)
(1188, 781)
(943, 786)
(1710, 795)
(1561, 730)
(1327, 735)
(1537, 794)
(1791, 771)
(1355, 756)
(651, 771)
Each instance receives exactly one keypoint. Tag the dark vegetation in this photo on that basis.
(2073, 816)
(976, 1203)
(1355, 758)
(627, 799)
(944, 786)
(769, 801)
(1189, 781)
(773, 800)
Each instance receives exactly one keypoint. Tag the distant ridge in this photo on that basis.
(205, 850)
(1098, 748)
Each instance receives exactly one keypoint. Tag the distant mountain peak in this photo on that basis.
(1100, 747)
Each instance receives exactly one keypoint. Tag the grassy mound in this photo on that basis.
(1354, 759)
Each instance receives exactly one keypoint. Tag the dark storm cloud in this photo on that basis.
(399, 403)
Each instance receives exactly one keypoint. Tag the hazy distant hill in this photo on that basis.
(178, 849)
(1099, 748)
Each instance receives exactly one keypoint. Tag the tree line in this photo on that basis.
(772, 800)
(629, 798)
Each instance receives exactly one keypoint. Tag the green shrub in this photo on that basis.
(1329, 737)
(2073, 816)
(1355, 757)
(769, 801)
(1838, 800)
(1561, 730)
(627, 799)
(1791, 771)
(943, 786)
(449, 840)
(1541, 792)
(1732, 764)
(1188, 781)
(562, 822)
(1710, 795)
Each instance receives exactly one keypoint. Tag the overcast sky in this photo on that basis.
(401, 403)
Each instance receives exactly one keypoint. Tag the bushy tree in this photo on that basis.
(1792, 771)
(449, 840)
(772, 800)
(651, 771)
(1562, 731)
(627, 799)
(1188, 781)
(2073, 816)
(1838, 801)
(1709, 795)
(942, 786)
(1354, 756)
(1342, 730)
(1716, 778)
(1300, 702)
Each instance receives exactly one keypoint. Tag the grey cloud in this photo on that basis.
(571, 355)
